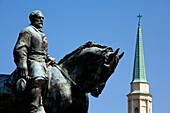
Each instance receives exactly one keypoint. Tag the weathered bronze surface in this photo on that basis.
(41, 85)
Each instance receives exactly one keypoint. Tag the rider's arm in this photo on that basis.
(21, 51)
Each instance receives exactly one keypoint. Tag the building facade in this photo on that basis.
(139, 98)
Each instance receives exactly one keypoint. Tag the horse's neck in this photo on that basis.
(75, 73)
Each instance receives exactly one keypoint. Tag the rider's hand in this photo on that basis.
(52, 60)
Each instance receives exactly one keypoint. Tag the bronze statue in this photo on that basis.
(44, 86)
(31, 57)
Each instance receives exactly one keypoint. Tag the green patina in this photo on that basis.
(136, 92)
(139, 74)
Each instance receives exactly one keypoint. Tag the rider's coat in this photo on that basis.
(31, 51)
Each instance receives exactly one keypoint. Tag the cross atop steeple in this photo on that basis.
(140, 16)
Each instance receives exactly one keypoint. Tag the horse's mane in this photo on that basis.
(78, 50)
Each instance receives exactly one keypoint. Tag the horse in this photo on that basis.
(85, 70)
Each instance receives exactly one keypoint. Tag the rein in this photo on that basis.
(66, 75)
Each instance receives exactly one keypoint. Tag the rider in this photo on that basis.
(31, 57)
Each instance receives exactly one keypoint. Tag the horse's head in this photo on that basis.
(109, 66)
(90, 66)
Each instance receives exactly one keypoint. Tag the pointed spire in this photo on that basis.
(139, 74)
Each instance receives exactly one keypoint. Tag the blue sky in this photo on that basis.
(70, 23)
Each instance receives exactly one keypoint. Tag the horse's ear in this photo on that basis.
(115, 53)
(121, 55)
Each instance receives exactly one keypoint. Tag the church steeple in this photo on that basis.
(139, 98)
(139, 74)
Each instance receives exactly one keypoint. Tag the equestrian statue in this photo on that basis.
(40, 84)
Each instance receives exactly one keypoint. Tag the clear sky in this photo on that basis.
(70, 23)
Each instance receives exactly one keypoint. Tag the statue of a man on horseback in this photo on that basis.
(31, 57)
(41, 85)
